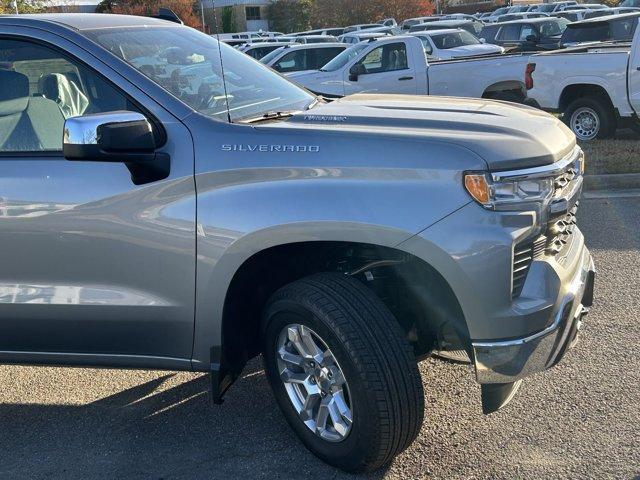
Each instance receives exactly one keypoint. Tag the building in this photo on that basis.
(249, 15)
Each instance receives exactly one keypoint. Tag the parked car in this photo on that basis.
(357, 37)
(526, 35)
(630, 3)
(518, 9)
(389, 22)
(259, 50)
(472, 26)
(315, 39)
(341, 241)
(552, 7)
(596, 88)
(410, 22)
(572, 15)
(605, 12)
(335, 32)
(361, 26)
(520, 16)
(589, 6)
(294, 58)
(399, 65)
(496, 13)
(617, 28)
(452, 43)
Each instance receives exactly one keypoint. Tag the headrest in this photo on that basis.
(14, 85)
(48, 86)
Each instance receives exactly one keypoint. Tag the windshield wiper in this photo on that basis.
(270, 116)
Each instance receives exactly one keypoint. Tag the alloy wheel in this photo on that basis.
(314, 382)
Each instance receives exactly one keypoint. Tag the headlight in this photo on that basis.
(516, 194)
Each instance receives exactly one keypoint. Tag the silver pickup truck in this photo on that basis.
(167, 202)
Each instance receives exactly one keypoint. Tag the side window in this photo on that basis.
(292, 61)
(526, 31)
(509, 33)
(428, 50)
(386, 58)
(324, 56)
(41, 87)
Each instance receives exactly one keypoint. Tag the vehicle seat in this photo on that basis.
(27, 123)
(57, 87)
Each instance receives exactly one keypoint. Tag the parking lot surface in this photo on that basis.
(579, 420)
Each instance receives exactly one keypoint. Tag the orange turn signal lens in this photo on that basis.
(477, 187)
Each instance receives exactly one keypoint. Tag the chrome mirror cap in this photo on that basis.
(84, 130)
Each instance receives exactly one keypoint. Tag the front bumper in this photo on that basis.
(511, 360)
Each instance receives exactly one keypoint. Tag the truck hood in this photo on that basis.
(506, 135)
(470, 50)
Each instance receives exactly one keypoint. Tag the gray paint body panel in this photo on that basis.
(113, 266)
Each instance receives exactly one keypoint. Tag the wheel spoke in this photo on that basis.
(309, 405)
(322, 416)
(303, 342)
(288, 376)
(339, 423)
(345, 412)
(290, 358)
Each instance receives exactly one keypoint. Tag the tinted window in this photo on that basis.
(40, 89)
(509, 33)
(552, 28)
(489, 33)
(386, 58)
(292, 62)
(322, 56)
(623, 29)
(527, 31)
(260, 52)
(452, 40)
(586, 33)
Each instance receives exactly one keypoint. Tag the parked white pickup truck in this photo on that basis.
(399, 65)
(596, 88)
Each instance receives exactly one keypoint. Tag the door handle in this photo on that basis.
(405, 78)
(638, 68)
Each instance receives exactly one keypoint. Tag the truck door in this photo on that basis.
(385, 69)
(95, 269)
(633, 76)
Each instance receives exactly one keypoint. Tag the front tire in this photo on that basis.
(342, 371)
(590, 118)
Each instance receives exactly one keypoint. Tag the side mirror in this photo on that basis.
(122, 136)
(532, 39)
(483, 40)
(355, 71)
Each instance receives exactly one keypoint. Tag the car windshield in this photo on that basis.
(188, 65)
(553, 27)
(345, 57)
(547, 8)
(445, 41)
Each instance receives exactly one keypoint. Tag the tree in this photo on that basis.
(228, 19)
(24, 6)
(290, 15)
(184, 9)
(332, 13)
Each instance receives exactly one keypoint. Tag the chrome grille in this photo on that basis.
(559, 231)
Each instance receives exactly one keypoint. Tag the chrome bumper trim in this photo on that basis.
(511, 360)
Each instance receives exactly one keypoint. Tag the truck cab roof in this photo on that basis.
(84, 21)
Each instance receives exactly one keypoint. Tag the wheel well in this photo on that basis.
(510, 86)
(417, 295)
(573, 92)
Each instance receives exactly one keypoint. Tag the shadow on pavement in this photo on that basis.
(148, 433)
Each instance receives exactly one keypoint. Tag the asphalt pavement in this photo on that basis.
(579, 420)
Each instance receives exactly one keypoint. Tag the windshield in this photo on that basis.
(553, 28)
(547, 8)
(186, 63)
(345, 57)
(445, 41)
